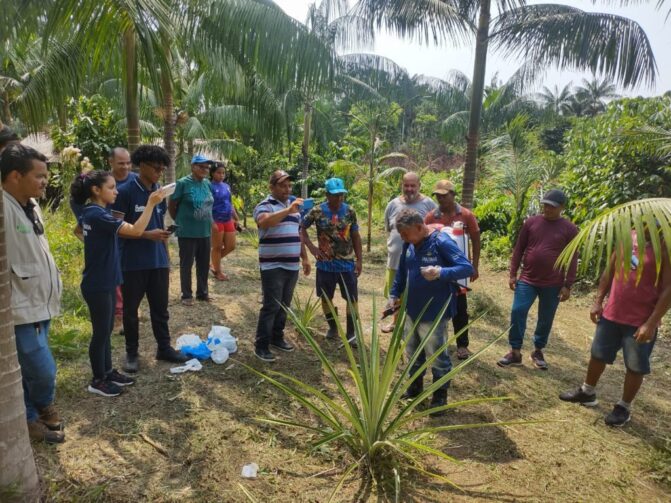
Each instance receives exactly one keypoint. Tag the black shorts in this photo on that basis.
(327, 281)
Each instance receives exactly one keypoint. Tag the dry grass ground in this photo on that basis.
(186, 437)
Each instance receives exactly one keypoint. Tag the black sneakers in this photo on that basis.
(132, 364)
(618, 417)
(538, 359)
(438, 399)
(510, 360)
(103, 387)
(579, 396)
(119, 379)
(282, 345)
(265, 355)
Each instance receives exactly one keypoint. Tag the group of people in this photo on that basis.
(121, 220)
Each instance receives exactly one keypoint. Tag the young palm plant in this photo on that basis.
(384, 434)
(306, 311)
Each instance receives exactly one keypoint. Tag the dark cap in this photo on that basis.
(554, 197)
(279, 176)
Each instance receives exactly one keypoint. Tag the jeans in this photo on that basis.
(278, 289)
(525, 295)
(101, 308)
(191, 249)
(460, 320)
(38, 368)
(153, 283)
(442, 364)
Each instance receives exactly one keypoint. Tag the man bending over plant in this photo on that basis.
(430, 265)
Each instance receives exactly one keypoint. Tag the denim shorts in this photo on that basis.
(611, 336)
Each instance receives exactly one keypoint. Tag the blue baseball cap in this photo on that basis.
(200, 159)
(335, 186)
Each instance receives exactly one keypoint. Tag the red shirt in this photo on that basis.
(628, 303)
(538, 246)
(462, 214)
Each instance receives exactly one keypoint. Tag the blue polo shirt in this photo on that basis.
(102, 271)
(141, 254)
(78, 208)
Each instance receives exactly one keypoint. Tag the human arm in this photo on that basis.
(79, 234)
(305, 260)
(458, 267)
(605, 281)
(646, 332)
(136, 230)
(400, 280)
(475, 243)
(266, 220)
(356, 243)
(518, 253)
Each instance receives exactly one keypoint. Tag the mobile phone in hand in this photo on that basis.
(172, 228)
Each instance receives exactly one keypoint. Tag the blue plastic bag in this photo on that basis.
(200, 351)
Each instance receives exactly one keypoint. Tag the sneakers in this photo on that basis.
(104, 388)
(538, 359)
(265, 355)
(119, 379)
(510, 360)
(39, 432)
(171, 355)
(282, 345)
(438, 399)
(132, 364)
(50, 418)
(579, 396)
(618, 417)
(187, 302)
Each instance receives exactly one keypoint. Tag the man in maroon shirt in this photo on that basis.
(541, 240)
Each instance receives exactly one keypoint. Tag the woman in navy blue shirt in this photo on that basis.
(225, 220)
(102, 269)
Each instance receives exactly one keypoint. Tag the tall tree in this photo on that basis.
(543, 35)
(593, 93)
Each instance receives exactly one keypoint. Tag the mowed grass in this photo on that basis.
(178, 437)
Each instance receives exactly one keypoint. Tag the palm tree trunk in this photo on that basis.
(132, 104)
(371, 173)
(478, 86)
(17, 465)
(6, 111)
(61, 112)
(307, 124)
(168, 125)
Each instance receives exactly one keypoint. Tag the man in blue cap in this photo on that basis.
(338, 252)
(191, 208)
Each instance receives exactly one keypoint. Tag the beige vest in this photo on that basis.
(36, 283)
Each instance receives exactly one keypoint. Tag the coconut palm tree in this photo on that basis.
(17, 466)
(555, 100)
(593, 93)
(543, 35)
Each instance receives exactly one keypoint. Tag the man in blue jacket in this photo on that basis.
(431, 263)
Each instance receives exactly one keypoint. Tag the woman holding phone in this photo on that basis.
(225, 220)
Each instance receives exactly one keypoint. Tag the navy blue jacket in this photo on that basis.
(437, 249)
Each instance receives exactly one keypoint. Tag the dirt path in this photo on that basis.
(174, 438)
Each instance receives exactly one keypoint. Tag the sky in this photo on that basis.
(438, 61)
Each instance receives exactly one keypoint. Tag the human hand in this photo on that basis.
(294, 207)
(307, 267)
(430, 273)
(238, 227)
(157, 196)
(317, 253)
(392, 304)
(512, 283)
(596, 311)
(357, 268)
(156, 235)
(564, 293)
(645, 333)
(475, 275)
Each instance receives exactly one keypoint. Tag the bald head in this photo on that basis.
(119, 161)
(410, 187)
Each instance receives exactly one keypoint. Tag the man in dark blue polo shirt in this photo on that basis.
(145, 262)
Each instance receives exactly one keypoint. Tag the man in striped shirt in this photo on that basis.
(280, 256)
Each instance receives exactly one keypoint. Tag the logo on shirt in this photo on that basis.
(139, 209)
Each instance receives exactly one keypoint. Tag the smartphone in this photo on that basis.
(308, 204)
(172, 228)
(169, 189)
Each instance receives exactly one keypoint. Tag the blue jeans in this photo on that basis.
(441, 365)
(38, 368)
(525, 296)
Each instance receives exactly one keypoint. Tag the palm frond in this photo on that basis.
(550, 34)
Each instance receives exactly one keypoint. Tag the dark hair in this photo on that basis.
(408, 217)
(150, 153)
(7, 135)
(215, 166)
(111, 153)
(17, 157)
(80, 189)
